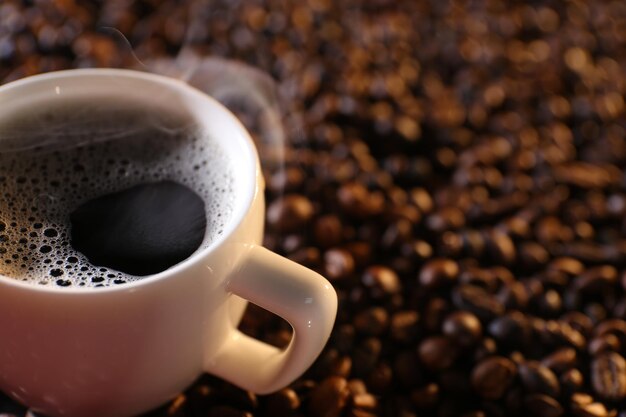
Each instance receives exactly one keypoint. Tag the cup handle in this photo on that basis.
(302, 297)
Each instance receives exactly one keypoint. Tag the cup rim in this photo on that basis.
(243, 200)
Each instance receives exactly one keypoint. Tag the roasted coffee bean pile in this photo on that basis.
(457, 172)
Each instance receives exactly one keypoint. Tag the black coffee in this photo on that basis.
(142, 230)
(95, 194)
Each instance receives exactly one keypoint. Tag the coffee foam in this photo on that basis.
(75, 151)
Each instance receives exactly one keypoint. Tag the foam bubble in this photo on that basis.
(56, 158)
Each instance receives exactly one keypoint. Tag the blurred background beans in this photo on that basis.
(457, 171)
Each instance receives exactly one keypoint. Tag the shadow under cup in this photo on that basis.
(123, 349)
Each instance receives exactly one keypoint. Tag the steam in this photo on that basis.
(53, 130)
(247, 91)
(117, 33)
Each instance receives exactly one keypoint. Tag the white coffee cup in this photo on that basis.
(122, 350)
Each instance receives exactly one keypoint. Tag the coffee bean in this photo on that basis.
(342, 366)
(605, 343)
(397, 233)
(486, 347)
(404, 211)
(598, 312)
(372, 321)
(445, 218)
(439, 272)
(543, 406)
(533, 256)
(357, 387)
(484, 305)
(562, 333)
(282, 403)
(514, 296)
(483, 278)
(327, 231)
(381, 281)
(589, 252)
(595, 279)
(535, 287)
(474, 242)
(279, 338)
(511, 329)
(570, 266)
(463, 327)
(422, 200)
(554, 279)
(590, 410)
(290, 213)
(417, 250)
(549, 303)
(580, 398)
(616, 327)
(501, 248)
(583, 175)
(286, 180)
(515, 226)
(361, 252)
(434, 313)
(338, 264)
(356, 200)
(364, 401)
(578, 321)
(538, 378)
(308, 256)
(437, 352)
(560, 360)
(517, 357)
(608, 376)
(329, 398)
(177, 406)
(572, 380)
(292, 243)
(451, 244)
(404, 326)
(492, 377)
